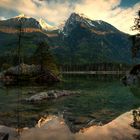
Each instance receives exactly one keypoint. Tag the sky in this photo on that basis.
(119, 13)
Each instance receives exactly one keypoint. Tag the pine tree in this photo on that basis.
(44, 58)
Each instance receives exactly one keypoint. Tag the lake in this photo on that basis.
(102, 98)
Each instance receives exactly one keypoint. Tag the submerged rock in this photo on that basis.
(51, 94)
(38, 97)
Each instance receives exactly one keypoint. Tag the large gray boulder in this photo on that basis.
(23, 69)
(24, 72)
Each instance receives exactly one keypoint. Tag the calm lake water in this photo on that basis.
(101, 99)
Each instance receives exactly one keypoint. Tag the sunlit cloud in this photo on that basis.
(57, 11)
(54, 13)
(110, 11)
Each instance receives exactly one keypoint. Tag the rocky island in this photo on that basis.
(24, 72)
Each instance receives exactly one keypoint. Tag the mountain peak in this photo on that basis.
(81, 21)
(27, 22)
(76, 17)
(76, 20)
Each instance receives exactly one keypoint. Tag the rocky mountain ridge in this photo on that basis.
(81, 40)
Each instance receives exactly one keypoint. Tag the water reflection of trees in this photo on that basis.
(135, 91)
(95, 77)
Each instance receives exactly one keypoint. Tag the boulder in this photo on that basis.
(24, 72)
(38, 97)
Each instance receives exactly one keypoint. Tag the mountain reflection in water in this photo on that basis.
(101, 99)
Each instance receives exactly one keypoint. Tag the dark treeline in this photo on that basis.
(96, 67)
(8, 61)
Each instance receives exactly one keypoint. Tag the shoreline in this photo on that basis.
(55, 128)
(95, 72)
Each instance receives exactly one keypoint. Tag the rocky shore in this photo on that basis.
(55, 128)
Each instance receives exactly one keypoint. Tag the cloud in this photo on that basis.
(109, 11)
(97, 8)
(2, 18)
(123, 19)
(56, 11)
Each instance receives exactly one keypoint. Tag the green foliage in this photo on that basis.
(51, 64)
(43, 57)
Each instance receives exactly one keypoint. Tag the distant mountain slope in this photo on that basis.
(88, 41)
(81, 41)
(9, 32)
(14, 22)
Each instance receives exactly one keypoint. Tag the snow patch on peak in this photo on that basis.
(46, 26)
(90, 23)
(99, 21)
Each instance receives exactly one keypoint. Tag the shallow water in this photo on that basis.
(101, 99)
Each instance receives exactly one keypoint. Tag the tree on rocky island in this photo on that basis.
(44, 58)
